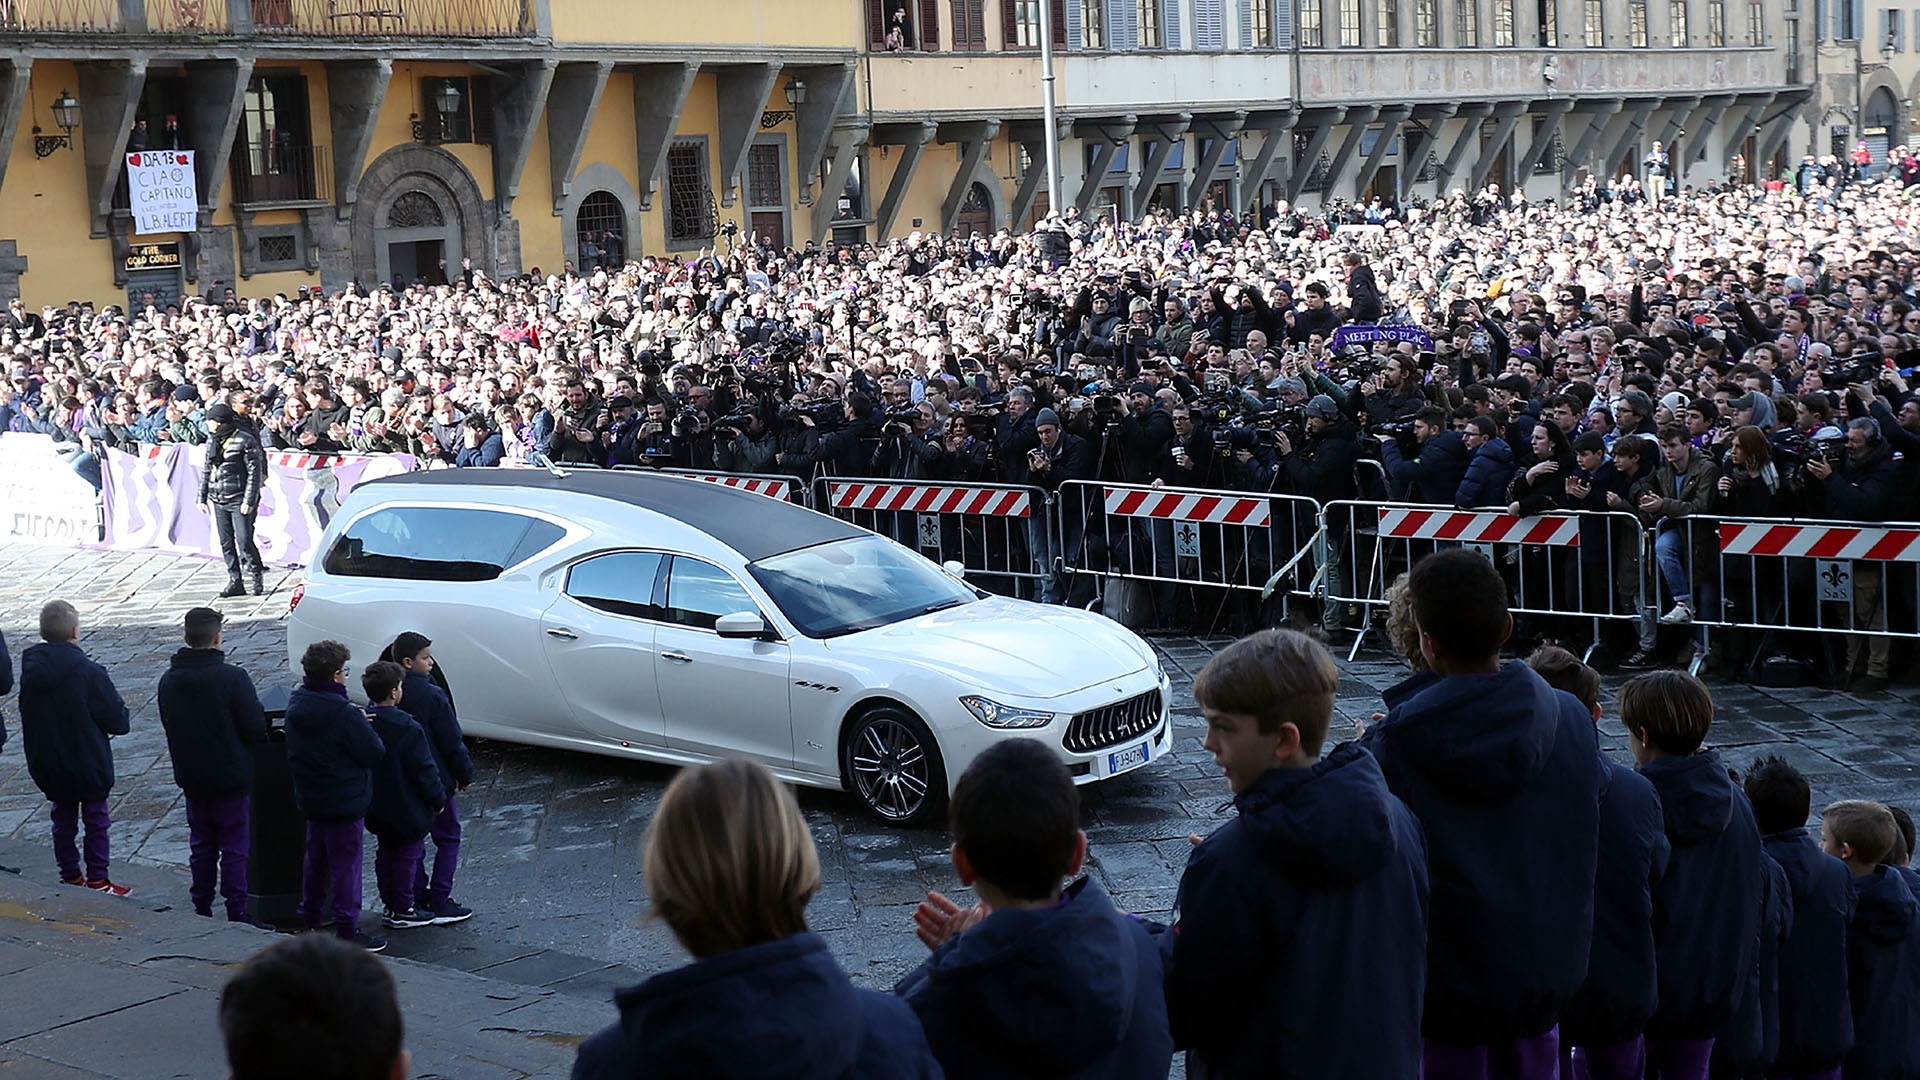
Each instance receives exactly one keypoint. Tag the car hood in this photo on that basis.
(1009, 646)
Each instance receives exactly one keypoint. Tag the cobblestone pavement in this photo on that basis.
(551, 855)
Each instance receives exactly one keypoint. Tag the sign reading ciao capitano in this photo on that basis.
(162, 192)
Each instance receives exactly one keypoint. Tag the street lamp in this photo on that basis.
(796, 92)
(447, 99)
(66, 114)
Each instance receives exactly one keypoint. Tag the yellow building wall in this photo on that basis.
(533, 206)
(44, 208)
(610, 142)
(928, 192)
(790, 23)
(395, 126)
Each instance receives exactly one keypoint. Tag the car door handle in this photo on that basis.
(677, 657)
(561, 632)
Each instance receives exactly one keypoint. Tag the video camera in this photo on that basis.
(739, 419)
(826, 415)
(1858, 368)
(1795, 450)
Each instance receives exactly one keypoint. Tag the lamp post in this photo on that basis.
(66, 114)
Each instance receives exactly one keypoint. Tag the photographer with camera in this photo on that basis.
(1438, 462)
(578, 424)
(909, 445)
(1399, 395)
(1146, 426)
(1321, 467)
(743, 442)
(1056, 458)
(1860, 487)
(652, 441)
(1016, 435)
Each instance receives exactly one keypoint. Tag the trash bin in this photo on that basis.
(278, 836)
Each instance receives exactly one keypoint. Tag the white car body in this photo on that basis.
(529, 661)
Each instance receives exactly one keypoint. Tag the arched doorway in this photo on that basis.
(976, 213)
(600, 231)
(419, 240)
(1877, 124)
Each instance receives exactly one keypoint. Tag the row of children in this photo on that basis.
(1470, 890)
(393, 771)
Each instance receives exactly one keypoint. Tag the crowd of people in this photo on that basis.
(1472, 889)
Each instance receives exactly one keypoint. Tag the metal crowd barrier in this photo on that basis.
(774, 485)
(1770, 576)
(1251, 541)
(1577, 564)
(987, 528)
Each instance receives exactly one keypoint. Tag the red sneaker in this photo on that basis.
(108, 887)
(79, 881)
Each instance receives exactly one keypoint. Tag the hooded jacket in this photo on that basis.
(1505, 774)
(1816, 1027)
(1073, 990)
(236, 467)
(213, 719)
(1863, 489)
(1883, 977)
(1706, 909)
(1748, 1042)
(429, 705)
(1431, 476)
(331, 751)
(1324, 870)
(1488, 473)
(407, 790)
(782, 1010)
(1612, 1006)
(68, 710)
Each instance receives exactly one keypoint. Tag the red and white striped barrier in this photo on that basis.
(759, 485)
(284, 458)
(1471, 527)
(930, 499)
(1821, 542)
(1181, 506)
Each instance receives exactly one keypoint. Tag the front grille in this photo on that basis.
(1115, 723)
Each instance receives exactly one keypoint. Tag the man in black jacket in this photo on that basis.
(1058, 458)
(230, 484)
(1363, 293)
(1861, 488)
(1434, 472)
(1322, 469)
(213, 718)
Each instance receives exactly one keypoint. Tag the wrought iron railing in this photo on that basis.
(59, 16)
(187, 17)
(394, 18)
(280, 172)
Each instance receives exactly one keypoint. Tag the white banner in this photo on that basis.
(42, 500)
(162, 192)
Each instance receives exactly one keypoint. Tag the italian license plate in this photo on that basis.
(1121, 760)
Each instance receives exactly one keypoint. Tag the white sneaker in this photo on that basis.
(1680, 614)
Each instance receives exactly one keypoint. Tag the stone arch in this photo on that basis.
(598, 176)
(437, 174)
(1883, 80)
(984, 178)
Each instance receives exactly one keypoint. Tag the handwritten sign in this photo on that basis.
(153, 256)
(162, 192)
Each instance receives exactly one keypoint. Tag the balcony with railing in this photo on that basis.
(187, 17)
(394, 18)
(279, 174)
(59, 16)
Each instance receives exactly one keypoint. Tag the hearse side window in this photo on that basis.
(438, 543)
(621, 582)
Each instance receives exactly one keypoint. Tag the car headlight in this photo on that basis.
(995, 715)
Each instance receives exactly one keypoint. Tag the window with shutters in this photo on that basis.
(1717, 23)
(969, 25)
(1594, 23)
(1349, 24)
(1677, 29)
(1503, 23)
(1209, 25)
(471, 120)
(1093, 24)
(1426, 23)
(1311, 33)
(1259, 24)
(689, 200)
(1466, 24)
(1637, 23)
(1147, 24)
(1022, 24)
(1756, 23)
(1387, 12)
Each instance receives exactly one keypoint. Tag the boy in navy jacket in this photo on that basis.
(407, 793)
(1706, 908)
(1602, 1026)
(1883, 943)
(1505, 774)
(1035, 980)
(1816, 1026)
(213, 719)
(432, 709)
(331, 751)
(1322, 870)
(68, 710)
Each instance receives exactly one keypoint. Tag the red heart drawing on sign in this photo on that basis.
(134, 160)
(180, 158)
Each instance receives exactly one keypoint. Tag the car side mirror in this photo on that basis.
(741, 624)
(955, 567)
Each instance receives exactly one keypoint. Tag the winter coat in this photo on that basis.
(781, 1010)
(486, 455)
(1067, 991)
(1505, 774)
(1747, 1043)
(331, 751)
(236, 468)
(407, 790)
(1489, 472)
(1862, 490)
(1689, 494)
(1883, 977)
(1322, 467)
(1612, 1006)
(68, 710)
(1323, 870)
(430, 706)
(1816, 1027)
(1363, 295)
(1706, 908)
(213, 720)
(1546, 494)
(1432, 475)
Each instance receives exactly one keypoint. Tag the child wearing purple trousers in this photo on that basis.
(331, 751)
(1707, 907)
(68, 710)
(407, 794)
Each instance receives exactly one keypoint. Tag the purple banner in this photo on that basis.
(150, 500)
(1367, 334)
